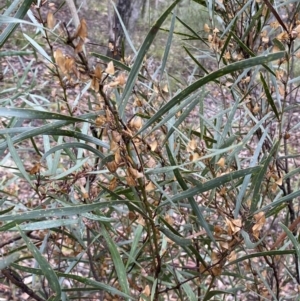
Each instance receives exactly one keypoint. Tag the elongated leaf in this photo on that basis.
(17, 159)
(186, 286)
(279, 44)
(168, 46)
(196, 61)
(118, 263)
(294, 241)
(15, 52)
(20, 14)
(38, 47)
(249, 244)
(213, 293)
(34, 114)
(195, 35)
(254, 20)
(13, 6)
(180, 107)
(63, 211)
(191, 200)
(65, 173)
(246, 181)
(269, 97)
(8, 260)
(182, 117)
(140, 57)
(211, 77)
(47, 224)
(179, 240)
(45, 267)
(116, 63)
(249, 51)
(124, 28)
(41, 130)
(266, 283)
(25, 74)
(217, 182)
(73, 145)
(133, 250)
(262, 254)
(281, 200)
(260, 176)
(84, 280)
(73, 134)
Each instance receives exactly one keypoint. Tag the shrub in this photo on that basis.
(116, 184)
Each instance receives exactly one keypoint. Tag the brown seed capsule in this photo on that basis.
(130, 181)
(112, 166)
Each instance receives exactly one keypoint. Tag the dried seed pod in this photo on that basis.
(112, 166)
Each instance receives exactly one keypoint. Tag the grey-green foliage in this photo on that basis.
(140, 188)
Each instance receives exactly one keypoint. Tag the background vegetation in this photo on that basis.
(165, 175)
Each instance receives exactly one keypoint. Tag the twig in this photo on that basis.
(17, 281)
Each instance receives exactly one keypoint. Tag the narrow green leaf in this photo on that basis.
(20, 14)
(65, 173)
(253, 23)
(253, 162)
(118, 263)
(134, 246)
(8, 260)
(294, 241)
(258, 178)
(179, 240)
(95, 284)
(13, 6)
(249, 244)
(266, 283)
(34, 114)
(85, 280)
(99, 217)
(182, 117)
(47, 224)
(168, 46)
(261, 254)
(63, 211)
(17, 159)
(38, 47)
(196, 61)
(124, 29)
(73, 145)
(234, 20)
(45, 267)
(15, 53)
(10, 225)
(283, 199)
(211, 294)
(140, 57)
(191, 200)
(6, 210)
(116, 63)
(180, 107)
(195, 35)
(186, 286)
(269, 97)
(217, 182)
(44, 128)
(211, 77)
(279, 44)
